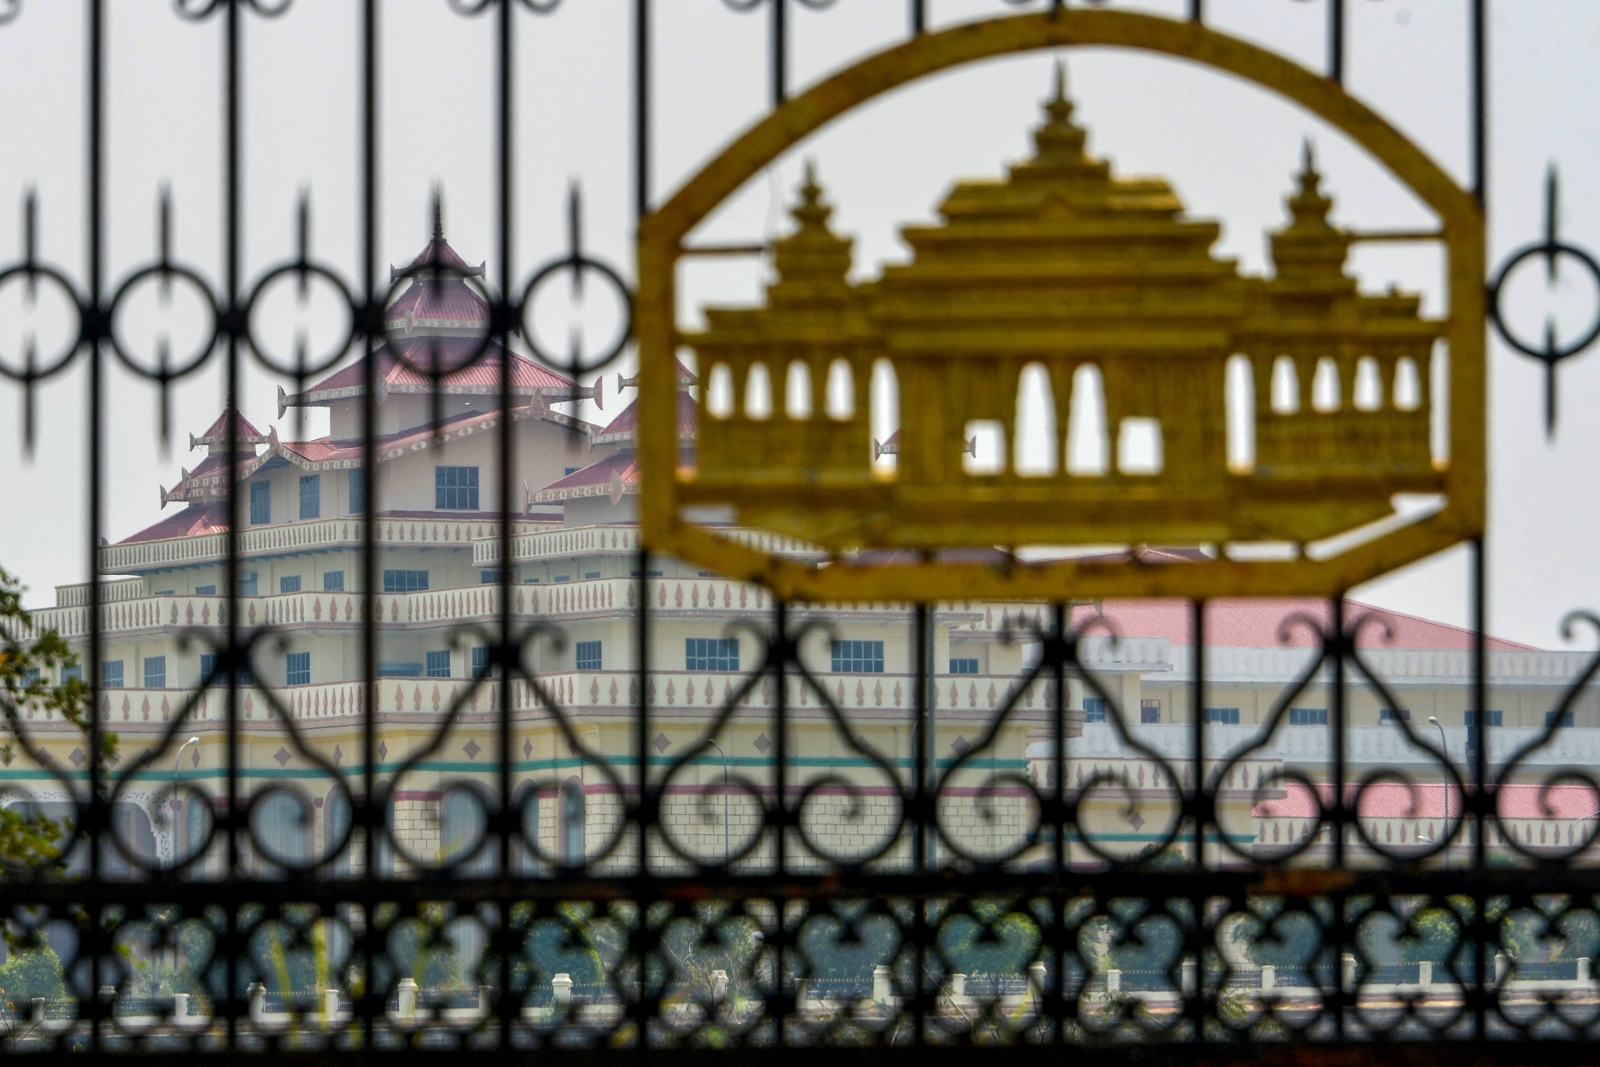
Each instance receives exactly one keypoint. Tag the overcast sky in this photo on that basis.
(1229, 150)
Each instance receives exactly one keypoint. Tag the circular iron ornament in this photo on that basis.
(57, 362)
(166, 273)
(304, 272)
(9, 10)
(198, 12)
(742, 6)
(578, 263)
(478, 7)
(1549, 353)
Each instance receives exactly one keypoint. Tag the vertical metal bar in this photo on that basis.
(504, 29)
(1202, 812)
(641, 108)
(1483, 803)
(230, 413)
(372, 303)
(1197, 10)
(919, 17)
(780, 753)
(93, 334)
(780, 52)
(1480, 101)
(1336, 40)
(1058, 906)
(932, 636)
(1337, 725)
(921, 696)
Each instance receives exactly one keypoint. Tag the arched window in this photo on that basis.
(196, 821)
(524, 860)
(461, 828)
(335, 825)
(282, 827)
(572, 818)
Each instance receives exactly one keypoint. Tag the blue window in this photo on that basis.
(1308, 716)
(439, 664)
(399, 670)
(488, 577)
(858, 657)
(1390, 714)
(30, 676)
(260, 503)
(289, 583)
(1490, 718)
(404, 581)
(711, 654)
(455, 488)
(205, 590)
(480, 662)
(1149, 711)
(310, 496)
(73, 673)
(358, 491)
(111, 674)
(591, 574)
(1094, 709)
(155, 672)
(333, 581)
(588, 655)
(1229, 716)
(964, 665)
(1551, 716)
(299, 672)
(247, 584)
(208, 661)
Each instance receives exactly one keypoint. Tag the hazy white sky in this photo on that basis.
(1228, 148)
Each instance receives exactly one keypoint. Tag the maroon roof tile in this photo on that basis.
(192, 521)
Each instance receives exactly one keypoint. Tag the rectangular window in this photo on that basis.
(1550, 717)
(247, 584)
(404, 581)
(590, 574)
(29, 676)
(311, 496)
(155, 672)
(1390, 714)
(455, 488)
(1094, 709)
(1490, 718)
(260, 503)
(711, 653)
(289, 583)
(299, 669)
(206, 663)
(562, 578)
(1149, 711)
(489, 577)
(964, 665)
(439, 664)
(399, 670)
(1308, 716)
(1228, 716)
(358, 491)
(858, 657)
(73, 673)
(480, 662)
(111, 674)
(205, 590)
(588, 655)
(333, 581)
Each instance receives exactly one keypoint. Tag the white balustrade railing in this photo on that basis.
(579, 540)
(311, 534)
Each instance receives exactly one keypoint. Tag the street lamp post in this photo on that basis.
(724, 756)
(1445, 786)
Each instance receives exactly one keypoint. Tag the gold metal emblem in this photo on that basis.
(1066, 274)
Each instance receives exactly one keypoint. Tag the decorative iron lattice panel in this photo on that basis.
(540, 840)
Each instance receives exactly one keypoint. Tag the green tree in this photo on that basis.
(29, 840)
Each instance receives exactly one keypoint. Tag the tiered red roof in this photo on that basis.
(614, 475)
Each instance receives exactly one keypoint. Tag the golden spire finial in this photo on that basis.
(1308, 206)
(811, 213)
(1059, 140)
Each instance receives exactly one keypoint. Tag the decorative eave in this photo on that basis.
(551, 394)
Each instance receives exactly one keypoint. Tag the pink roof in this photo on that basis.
(592, 480)
(1392, 800)
(192, 521)
(218, 430)
(475, 375)
(627, 421)
(1258, 622)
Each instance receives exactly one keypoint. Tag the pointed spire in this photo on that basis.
(813, 254)
(1309, 207)
(438, 215)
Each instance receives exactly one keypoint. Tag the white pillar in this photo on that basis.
(881, 986)
(180, 1008)
(1036, 973)
(1501, 966)
(958, 985)
(1189, 975)
(1347, 972)
(1113, 981)
(330, 1005)
(1425, 974)
(719, 985)
(406, 999)
(561, 989)
(1583, 968)
(1269, 978)
(256, 994)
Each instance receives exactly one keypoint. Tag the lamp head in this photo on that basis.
(1434, 719)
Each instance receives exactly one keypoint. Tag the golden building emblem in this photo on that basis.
(1070, 277)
